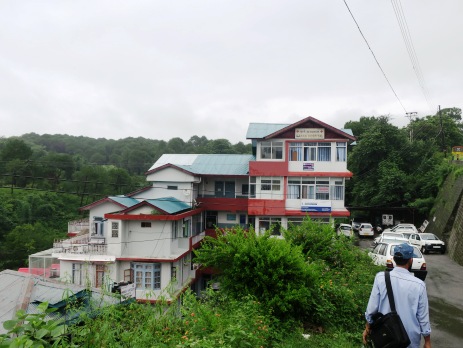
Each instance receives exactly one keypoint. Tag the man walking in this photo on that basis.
(411, 299)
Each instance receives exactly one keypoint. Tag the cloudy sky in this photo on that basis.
(178, 68)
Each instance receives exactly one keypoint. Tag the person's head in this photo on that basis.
(403, 255)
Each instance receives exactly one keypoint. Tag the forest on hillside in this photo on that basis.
(46, 178)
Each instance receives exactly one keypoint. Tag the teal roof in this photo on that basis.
(170, 205)
(216, 164)
(125, 201)
(260, 130)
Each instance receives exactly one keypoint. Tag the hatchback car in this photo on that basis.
(366, 229)
(345, 229)
(427, 242)
(391, 237)
(382, 254)
(402, 228)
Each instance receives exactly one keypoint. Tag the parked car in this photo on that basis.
(345, 229)
(427, 242)
(366, 229)
(390, 237)
(356, 225)
(382, 254)
(402, 228)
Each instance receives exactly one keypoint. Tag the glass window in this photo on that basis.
(114, 229)
(341, 152)
(271, 150)
(310, 151)
(324, 152)
(145, 224)
(272, 224)
(147, 275)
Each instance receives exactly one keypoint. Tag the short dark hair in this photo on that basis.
(400, 260)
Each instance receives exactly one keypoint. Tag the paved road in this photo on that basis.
(444, 284)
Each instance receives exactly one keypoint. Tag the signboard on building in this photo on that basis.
(128, 291)
(316, 206)
(308, 166)
(310, 133)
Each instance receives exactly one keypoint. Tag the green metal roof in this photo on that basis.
(215, 164)
(260, 130)
(125, 201)
(170, 205)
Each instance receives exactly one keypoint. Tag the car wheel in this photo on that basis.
(423, 250)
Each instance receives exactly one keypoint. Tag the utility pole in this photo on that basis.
(442, 132)
(410, 117)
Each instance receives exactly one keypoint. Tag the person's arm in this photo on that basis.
(366, 332)
(427, 341)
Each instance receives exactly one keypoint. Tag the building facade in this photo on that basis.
(148, 237)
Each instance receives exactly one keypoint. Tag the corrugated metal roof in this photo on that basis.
(170, 205)
(260, 130)
(125, 201)
(24, 291)
(204, 164)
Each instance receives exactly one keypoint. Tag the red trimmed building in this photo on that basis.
(147, 237)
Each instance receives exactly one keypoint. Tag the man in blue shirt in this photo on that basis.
(411, 299)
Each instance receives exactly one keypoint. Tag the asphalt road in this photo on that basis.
(444, 284)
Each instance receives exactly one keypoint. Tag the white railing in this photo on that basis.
(77, 226)
(81, 245)
(198, 238)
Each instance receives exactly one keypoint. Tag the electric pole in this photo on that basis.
(410, 117)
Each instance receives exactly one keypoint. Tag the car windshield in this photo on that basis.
(345, 227)
(367, 226)
(429, 237)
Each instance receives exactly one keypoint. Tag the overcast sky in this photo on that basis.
(178, 68)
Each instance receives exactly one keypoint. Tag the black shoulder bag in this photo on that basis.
(387, 331)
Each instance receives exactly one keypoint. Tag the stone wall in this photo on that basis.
(446, 220)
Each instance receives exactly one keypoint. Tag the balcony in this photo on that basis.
(77, 227)
(84, 244)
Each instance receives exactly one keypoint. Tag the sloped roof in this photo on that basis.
(262, 130)
(170, 205)
(205, 164)
(25, 291)
(122, 200)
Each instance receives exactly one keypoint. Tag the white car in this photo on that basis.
(366, 229)
(345, 229)
(402, 228)
(382, 254)
(427, 242)
(391, 237)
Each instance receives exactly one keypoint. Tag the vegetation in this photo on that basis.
(272, 291)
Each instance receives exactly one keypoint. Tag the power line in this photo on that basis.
(376, 60)
(399, 13)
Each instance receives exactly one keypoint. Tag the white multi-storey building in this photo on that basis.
(147, 237)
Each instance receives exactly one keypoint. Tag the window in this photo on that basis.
(173, 272)
(145, 224)
(272, 224)
(115, 229)
(341, 152)
(77, 273)
(271, 150)
(315, 188)
(147, 275)
(231, 217)
(172, 187)
(245, 189)
(186, 228)
(324, 152)
(252, 187)
(128, 275)
(295, 221)
(269, 184)
(310, 151)
(337, 191)
(177, 228)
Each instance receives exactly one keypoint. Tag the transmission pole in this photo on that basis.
(410, 117)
